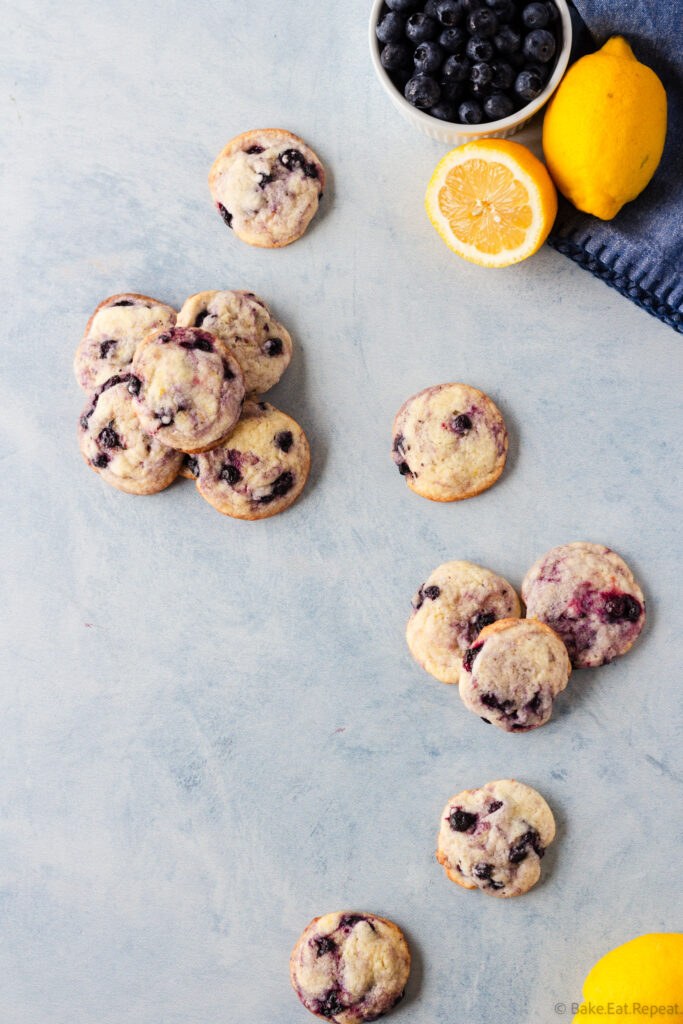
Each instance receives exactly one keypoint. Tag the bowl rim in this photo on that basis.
(486, 127)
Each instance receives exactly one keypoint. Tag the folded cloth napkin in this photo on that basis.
(640, 251)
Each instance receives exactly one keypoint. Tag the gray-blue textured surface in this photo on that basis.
(213, 730)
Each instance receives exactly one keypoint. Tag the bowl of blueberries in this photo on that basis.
(464, 69)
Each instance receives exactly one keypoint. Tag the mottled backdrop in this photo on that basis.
(212, 730)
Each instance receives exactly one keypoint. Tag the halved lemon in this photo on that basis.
(492, 201)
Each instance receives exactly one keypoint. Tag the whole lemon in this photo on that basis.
(646, 972)
(603, 132)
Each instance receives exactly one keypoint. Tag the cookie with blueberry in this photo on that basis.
(261, 345)
(493, 838)
(262, 467)
(112, 334)
(513, 672)
(350, 967)
(266, 185)
(115, 444)
(588, 595)
(449, 611)
(450, 442)
(191, 388)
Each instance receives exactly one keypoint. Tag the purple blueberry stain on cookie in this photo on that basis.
(272, 347)
(225, 214)
(284, 440)
(462, 821)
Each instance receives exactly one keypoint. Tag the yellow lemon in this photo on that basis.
(492, 202)
(603, 131)
(646, 972)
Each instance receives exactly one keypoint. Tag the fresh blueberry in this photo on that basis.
(420, 27)
(498, 105)
(108, 438)
(461, 423)
(402, 6)
(479, 49)
(536, 15)
(101, 461)
(483, 619)
(325, 945)
(483, 22)
(446, 109)
(432, 592)
(201, 317)
(291, 159)
(528, 85)
(482, 870)
(454, 40)
(225, 214)
(450, 12)
(505, 10)
(480, 75)
(553, 13)
(460, 820)
(507, 41)
(230, 474)
(395, 56)
(503, 75)
(455, 69)
(391, 28)
(427, 57)
(284, 440)
(422, 91)
(540, 45)
(622, 606)
(430, 8)
(107, 346)
(272, 347)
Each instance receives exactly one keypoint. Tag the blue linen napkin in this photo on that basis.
(640, 251)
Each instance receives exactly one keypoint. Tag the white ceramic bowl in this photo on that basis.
(458, 134)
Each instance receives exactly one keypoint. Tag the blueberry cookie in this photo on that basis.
(112, 334)
(262, 467)
(349, 967)
(449, 611)
(261, 345)
(588, 595)
(191, 388)
(114, 443)
(493, 838)
(267, 185)
(450, 442)
(513, 672)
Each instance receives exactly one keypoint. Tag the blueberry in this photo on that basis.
(330, 1005)
(430, 8)
(498, 105)
(311, 170)
(622, 606)
(230, 474)
(201, 344)
(540, 45)
(462, 423)
(461, 821)
(428, 57)
(470, 113)
(390, 29)
(101, 461)
(284, 440)
(483, 22)
(456, 69)
(191, 463)
(553, 13)
(272, 347)
(503, 75)
(496, 885)
(107, 346)
(520, 848)
(507, 41)
(134, 385)
(395, 56)
(108, 438)
(534, 705)
(253, 150)
(495, 805)
(404, 469)
(227, 371)
(420, 27)
(350, 920)
(454, 40)
(450, 12)
(536, 15)
(124, 302)
(398, 445)
(480, 75)
(528, 85)
(505, 10)
(446, 109)
(291, 159)
(482, 870)
(469, 656)
(432, 592)
(422, 91)
(402, 6)
(165, 417)
(227, 217)
(265, 179)
(479, 49)
(279, 487)
(201, 317)
(483, 619)
(325, 945)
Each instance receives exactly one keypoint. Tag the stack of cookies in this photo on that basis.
(179, 394)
